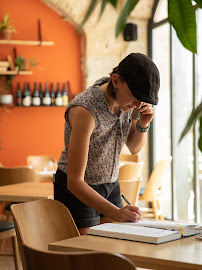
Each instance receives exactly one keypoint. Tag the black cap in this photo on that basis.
(142, 77)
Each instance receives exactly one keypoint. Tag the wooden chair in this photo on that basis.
(131, 171)
(39, 162)
(15, 175)
(36, 259)
(129, 157)
(153, 188)
(38, 223)
(130, 176)
(130, 189)
(7, 231)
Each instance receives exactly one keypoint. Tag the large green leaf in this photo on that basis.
(103, 5)
(92, 6)
(196, 114)
(113, 2)
(181, 15)
(125, 12)
(89, 12)
(199, 3)
(6, 18)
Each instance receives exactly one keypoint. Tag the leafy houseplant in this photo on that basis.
(5, 83)
(22, 63)
(6, 97)
(196, 114)
(6, 28)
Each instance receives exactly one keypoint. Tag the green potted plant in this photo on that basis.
(6, 97)
(6, 28)
(22, 63)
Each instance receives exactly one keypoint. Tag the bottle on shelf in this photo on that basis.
(65, 98)
(69, 92)
(41, 93)
(26, 97)
(36, 101)
(58, 97)
(19, 96)
(46, 96)
(28, 87)
(52, 94)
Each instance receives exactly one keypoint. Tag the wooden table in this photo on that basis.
(28, 191)
(46, 176)
(181, 254)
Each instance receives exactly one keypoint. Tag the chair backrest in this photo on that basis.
(89, 260)
(129, 157)
(40, 162)
(15, 175)
(41, 222)
(131, 171)
(155, 181)
(130, 189)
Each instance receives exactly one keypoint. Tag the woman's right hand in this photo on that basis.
(129, 213)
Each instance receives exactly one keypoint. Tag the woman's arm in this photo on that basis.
(137, 139)
(82, 123)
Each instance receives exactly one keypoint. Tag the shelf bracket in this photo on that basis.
(39, 32)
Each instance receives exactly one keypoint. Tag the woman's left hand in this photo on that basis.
(147, 114)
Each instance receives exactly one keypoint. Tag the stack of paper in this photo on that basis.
(4, 65)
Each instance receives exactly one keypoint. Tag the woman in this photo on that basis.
(98, 123)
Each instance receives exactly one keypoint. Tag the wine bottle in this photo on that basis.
(41, 93)
(36, 101)
(19, 96)
(26, 97)
(52, 95)
(65, 99)
(46, 96)
(28, 87)
(58, 97)
(69, 92)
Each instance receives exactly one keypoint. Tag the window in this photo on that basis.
(181, 90)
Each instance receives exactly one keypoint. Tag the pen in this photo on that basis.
(126, 200)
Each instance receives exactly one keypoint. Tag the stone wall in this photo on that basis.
(101, 51)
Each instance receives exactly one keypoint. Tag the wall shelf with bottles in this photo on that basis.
(40, 96)
(26, 42)
(14, 72)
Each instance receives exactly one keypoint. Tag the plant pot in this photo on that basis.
(6, 33)
(26, 65)
(6, 99)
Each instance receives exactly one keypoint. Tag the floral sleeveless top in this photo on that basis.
(108, 137)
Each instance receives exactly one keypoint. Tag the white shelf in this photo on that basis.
(26, 42)
(13, 72)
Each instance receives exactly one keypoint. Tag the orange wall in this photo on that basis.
(25, 131)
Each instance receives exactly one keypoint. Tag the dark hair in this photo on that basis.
(110, 88)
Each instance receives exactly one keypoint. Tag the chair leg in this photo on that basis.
(154, 209)
(2, 244)
(17, 260)
(159, 209)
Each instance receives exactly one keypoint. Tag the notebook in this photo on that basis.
(147, 231)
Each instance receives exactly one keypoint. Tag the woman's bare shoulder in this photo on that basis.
(80, 115)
